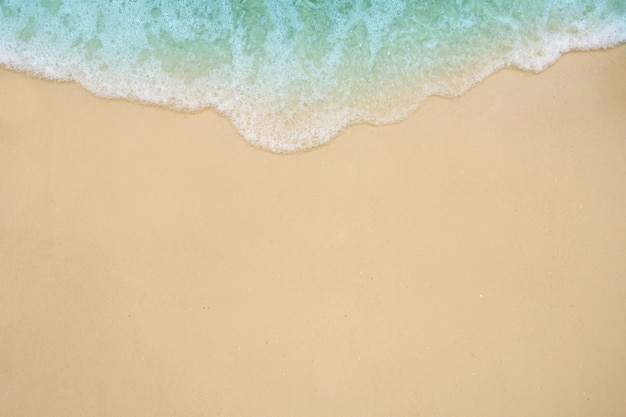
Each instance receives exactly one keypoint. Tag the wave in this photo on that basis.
(291, 74)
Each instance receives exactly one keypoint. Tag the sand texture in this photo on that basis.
(469, 261)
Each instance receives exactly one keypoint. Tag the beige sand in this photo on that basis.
(470, 261)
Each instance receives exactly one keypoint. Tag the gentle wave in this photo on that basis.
(291, 74)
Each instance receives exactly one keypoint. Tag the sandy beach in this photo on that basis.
(468, 261)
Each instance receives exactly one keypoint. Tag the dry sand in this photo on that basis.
(469, 261)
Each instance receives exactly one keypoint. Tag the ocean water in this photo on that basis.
(290, 74)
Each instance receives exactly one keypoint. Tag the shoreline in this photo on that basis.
(398, 115)
(465, 261)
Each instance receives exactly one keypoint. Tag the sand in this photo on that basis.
(469, 261)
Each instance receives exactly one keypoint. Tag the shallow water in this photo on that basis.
(291, 74)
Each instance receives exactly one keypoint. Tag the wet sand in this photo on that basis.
(469, 261)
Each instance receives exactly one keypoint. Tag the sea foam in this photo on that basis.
(291, 74)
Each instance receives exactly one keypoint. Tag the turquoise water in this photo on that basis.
(290, 74)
